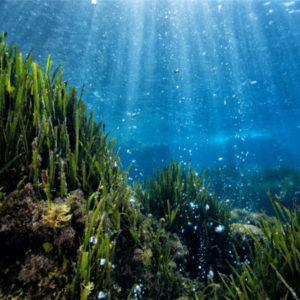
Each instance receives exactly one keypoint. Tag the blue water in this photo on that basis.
(216, 83)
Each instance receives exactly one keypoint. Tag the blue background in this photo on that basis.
(216, 83)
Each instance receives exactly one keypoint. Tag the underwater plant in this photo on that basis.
(45, 134)
(71, 227)
(50, 155)
(189, 209)
(57, 214)
(273, 269)
(38, 243)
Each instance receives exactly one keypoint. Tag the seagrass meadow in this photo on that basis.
(72, 227)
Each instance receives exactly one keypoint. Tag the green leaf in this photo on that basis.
(47, 247)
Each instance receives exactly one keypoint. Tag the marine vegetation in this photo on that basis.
(183, 200)
(72, 228)
(69, 225)
(273, 269)
(62, 187)
(46, 137)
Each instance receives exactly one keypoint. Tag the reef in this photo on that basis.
(71, 227)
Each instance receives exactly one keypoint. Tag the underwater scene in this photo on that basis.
(149, 149)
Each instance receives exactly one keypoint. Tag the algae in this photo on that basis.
(72, 228)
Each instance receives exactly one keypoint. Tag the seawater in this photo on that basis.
(214, 83)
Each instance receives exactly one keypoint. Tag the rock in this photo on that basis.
(240, 231)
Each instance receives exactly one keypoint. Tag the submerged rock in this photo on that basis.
(21, 223)
(35, 268)
(39, 241)
(241, 230)
(178, 250)
(239, 215)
